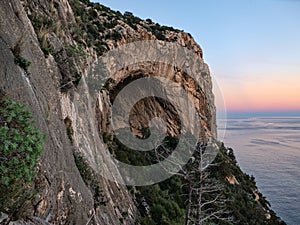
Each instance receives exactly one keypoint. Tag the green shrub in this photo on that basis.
(56, 5)
(159, 35)
(99, 25)
(90, 179)
(75, 51)
(78, 9)
(100, 47)
(110, 24)
(22, 62)
(115, 35)
(149, 21)
(46, 51)
(77, 78)
(92, 30)
(20, 149)
(40, 21)
(93, 13)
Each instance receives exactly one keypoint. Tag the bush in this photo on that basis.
(90, 179)
(75, 51)
(56, 5)
(110, 24)
(22, 62)
(77, 78)
(20, 149)
(46, 51)
(115, 35)
(149, 21)
(159, 35)
(100, 47)
(39, 21)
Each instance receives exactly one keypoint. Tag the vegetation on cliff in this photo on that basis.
(100, 28)
(20, 148)
(166, 203)
(95, 27)
(68, 40)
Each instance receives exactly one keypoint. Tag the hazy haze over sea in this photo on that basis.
(269, 148)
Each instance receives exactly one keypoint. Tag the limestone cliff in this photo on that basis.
(63, 39)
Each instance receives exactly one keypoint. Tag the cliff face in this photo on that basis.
(63, 196)
(62, 39)
(64, 48)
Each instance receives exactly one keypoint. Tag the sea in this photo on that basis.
(268, 147)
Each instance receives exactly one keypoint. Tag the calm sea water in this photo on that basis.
(269, 148)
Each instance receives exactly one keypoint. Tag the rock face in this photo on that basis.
(68, 61)
(62, 39)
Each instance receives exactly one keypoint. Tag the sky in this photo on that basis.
(251, 46)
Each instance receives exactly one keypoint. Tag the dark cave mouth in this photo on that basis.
(146, 108)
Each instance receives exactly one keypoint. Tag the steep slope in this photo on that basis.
(48, 49)
(63, 196)
(61, 42)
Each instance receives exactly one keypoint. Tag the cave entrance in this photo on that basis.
(146, 108)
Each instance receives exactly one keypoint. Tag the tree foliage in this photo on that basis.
(20, 149)
(220, 202)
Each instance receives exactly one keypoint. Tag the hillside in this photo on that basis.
(66, 62)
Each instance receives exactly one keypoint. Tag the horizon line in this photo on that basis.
(257, 113)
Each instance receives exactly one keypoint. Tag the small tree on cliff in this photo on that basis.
(205, 201)
(20, 149)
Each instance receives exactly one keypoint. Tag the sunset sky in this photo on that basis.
(251, 46)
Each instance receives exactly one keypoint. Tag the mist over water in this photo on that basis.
(269, 149)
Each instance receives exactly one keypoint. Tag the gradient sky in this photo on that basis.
(251, 46)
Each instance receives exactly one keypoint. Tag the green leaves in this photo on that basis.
(22, 62)
(20, 149)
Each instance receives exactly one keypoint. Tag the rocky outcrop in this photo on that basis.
(68, 61)
(58, 43)
(63, 47)
(232, 180)
(63, 196)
